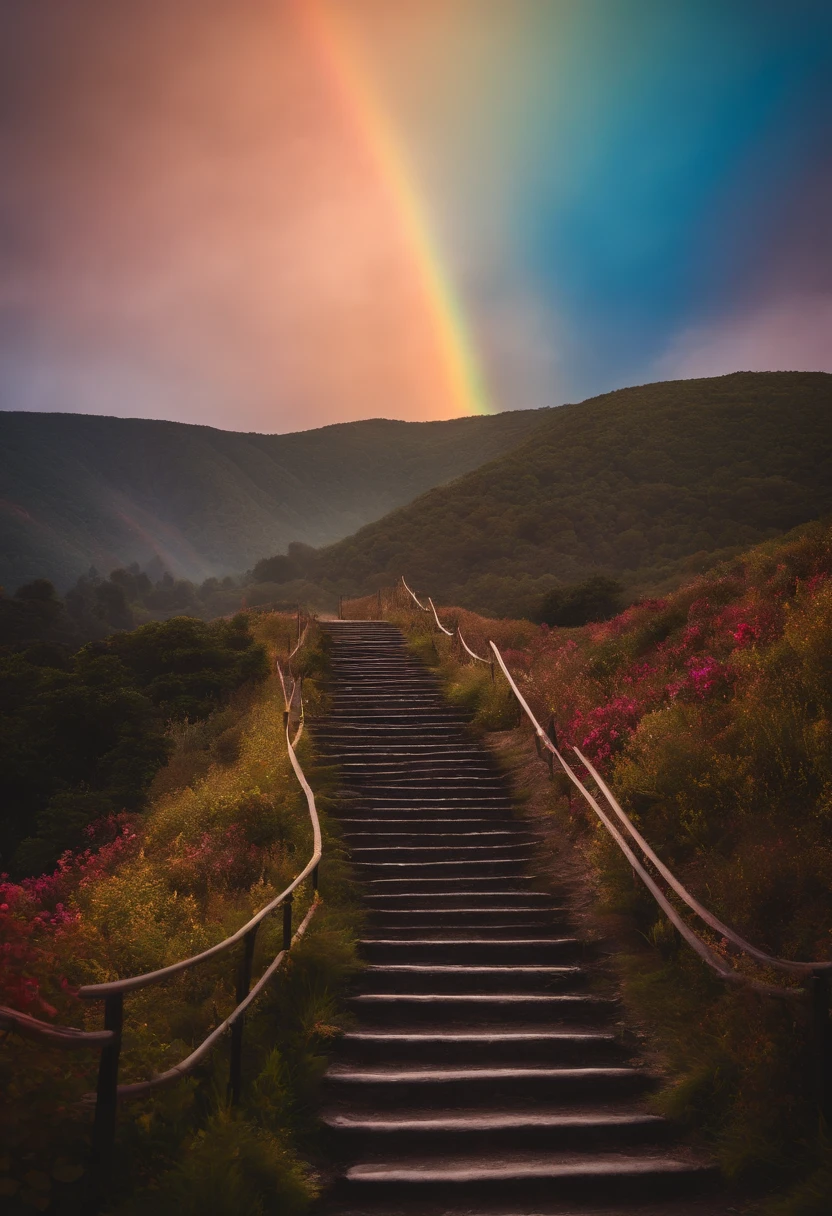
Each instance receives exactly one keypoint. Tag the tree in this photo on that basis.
(596, 599)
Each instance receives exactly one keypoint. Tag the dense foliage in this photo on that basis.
(96, 606)
(82, 734)
(647, 485)
(81, 491)
(227, 828)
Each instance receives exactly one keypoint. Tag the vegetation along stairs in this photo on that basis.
(484, 1073)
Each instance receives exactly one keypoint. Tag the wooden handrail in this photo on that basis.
(768, 960)
(810, 971)
(414, 596)
(468, 649)
(108, 1040)
(448, 632)
(699, 909)
(140, 1089)
(57, 1036)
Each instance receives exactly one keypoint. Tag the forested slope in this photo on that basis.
(645, 484)
(78, 490)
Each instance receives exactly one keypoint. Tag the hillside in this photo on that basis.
(78, 490)
(709, 712)
(643, 484)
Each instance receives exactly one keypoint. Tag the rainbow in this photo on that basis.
(463, 375)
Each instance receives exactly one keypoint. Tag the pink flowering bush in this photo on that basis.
(30, 941)
(144, 891)
(217, 862)
(605, 729)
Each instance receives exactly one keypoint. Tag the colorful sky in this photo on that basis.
(276, 214)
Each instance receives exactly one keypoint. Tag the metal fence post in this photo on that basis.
(106, 1102)
(551, 731)
(820, 993)
(553, 739)
(235, 1084)
(287, 922)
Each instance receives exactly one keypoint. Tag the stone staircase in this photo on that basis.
(484, 1073)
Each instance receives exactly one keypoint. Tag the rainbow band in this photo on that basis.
(457, 356)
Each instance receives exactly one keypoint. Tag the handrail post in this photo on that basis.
(287, 922)
(552, 734)
(235, 1082)
(340, 607)
(820, 992)
(106, 1098)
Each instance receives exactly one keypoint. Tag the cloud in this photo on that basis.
(190, 227)
(793, 333)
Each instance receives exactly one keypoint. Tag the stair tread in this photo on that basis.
(493, 1120)
(476, 1072)
(478, 1036)
(548, 1165)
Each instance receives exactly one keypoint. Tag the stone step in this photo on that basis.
(466, 916)
(413, 1133)
(448, 1008)
(471, 977)
(360, 806)
(464, 951)
(473, 1045)
(479, 1178)
(449, 1087)
(505, 866)
(442, 852)
(438, 839)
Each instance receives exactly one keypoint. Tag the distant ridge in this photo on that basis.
(78, 490)
(645, 484)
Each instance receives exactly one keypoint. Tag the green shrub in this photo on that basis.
(231, 1167)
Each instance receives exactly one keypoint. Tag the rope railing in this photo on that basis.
(456, 633)
(108, 1041)
(415, 598)
(448, 632)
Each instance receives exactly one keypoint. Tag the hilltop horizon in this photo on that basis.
(392, 418)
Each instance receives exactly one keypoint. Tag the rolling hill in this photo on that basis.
(80, 490)
(645, 484)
